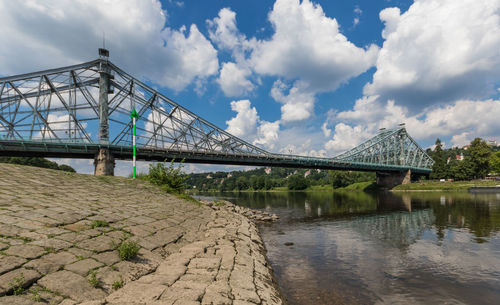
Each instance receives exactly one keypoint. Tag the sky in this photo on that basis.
(310, 77)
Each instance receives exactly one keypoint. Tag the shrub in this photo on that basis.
(93, 281)
(297, 182)
(128, 250)
(168, 177)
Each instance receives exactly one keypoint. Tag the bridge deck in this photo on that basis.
(88, 151)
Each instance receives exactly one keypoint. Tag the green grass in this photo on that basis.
(99, 224)
(118, 284)
(188, 198)
(128, 250)
(434, 185)
(17, 284)
(219, 203)
(93, 281)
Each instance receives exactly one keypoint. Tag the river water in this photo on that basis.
(387, 248)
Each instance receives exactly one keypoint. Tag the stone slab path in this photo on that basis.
(60, 232)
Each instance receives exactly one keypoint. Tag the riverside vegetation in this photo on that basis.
(479, 161)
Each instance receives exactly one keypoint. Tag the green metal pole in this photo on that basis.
(134, 116)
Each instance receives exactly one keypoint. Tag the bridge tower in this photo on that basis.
(104, 162)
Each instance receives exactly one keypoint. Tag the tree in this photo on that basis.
(297, 182)
(480, 157)
(439, 168)
(242, 183)
(495, 162)
(462, 170)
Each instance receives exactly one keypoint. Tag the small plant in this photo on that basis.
(167, 177)
(50, 250)
(219, 203)
(17, 284)
(128, 250)
(93, 281)
(118, 284)
(189, 198)
(36, 294)
(99, 224)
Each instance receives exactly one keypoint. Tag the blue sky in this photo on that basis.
(309, 77)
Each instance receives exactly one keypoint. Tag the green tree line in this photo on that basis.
(480, 159)
(284, 178)
(38, 162)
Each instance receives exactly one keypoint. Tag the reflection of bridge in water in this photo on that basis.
(389, 219)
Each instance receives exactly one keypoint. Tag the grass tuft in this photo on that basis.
(128, 250)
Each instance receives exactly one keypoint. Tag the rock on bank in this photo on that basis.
(59, 235)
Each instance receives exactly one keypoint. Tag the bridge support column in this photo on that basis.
(104, 163)
(390, 180)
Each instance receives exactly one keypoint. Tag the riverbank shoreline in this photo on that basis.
(62, 237)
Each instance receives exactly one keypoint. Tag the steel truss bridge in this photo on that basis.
(78, 111)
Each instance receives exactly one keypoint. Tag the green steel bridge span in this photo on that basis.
(83, 111)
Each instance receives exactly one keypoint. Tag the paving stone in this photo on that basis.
(51, 243)
(18, 300)
(8, 263)
(109, 258)
(44, 266)
(27, 276)
(26, 251)
(71, 285)
(84, 266)
(97, 244)
(138, 292)
(80, 253)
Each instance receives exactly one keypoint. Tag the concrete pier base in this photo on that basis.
(390, 180)
(104, 163)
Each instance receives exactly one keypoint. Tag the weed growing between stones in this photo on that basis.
(118, 284)
(99, 224)
(128, 250)
(17, 284)
(219, 203)
(93, 281)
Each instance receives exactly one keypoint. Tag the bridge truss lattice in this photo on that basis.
(59, 113)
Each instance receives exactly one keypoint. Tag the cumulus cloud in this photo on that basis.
(298, 104)
(459, 119)
(245, 122)
(307, 51)
(53, 33)
(233, 80)
(267, 134)
(438, 51)
(307, 45)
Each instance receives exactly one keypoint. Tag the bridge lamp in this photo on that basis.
(134, 116)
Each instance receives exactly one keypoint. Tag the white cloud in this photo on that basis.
(233, 80)
(346, 137)
(438, 51)
(298, 104)
(461, 140)
(326, 131)
(357, 14)
(245, 121)
(307, 45)
(267, 134)
(464, 119)
(52, 33)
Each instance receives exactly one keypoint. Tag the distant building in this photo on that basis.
(209, 177)
(492, 143)
(460, 157)
(466, 147)
(267, 170)
(229, 175)
(307, 173)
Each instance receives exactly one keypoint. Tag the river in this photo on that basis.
(386, 248)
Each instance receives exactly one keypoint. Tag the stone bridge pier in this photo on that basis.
(104, 162)
(390, 180)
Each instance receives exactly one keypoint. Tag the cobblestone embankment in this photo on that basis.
(59, 235)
